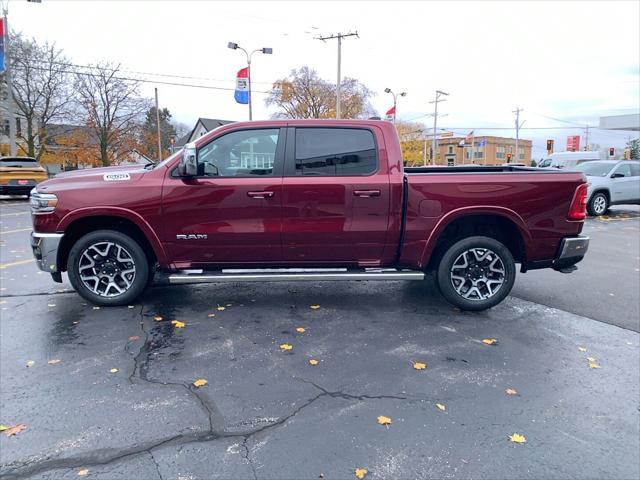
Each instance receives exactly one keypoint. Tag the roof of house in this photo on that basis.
(208, 123)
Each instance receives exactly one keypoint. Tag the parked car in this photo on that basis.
(568, 159)
(306, 200)
(18, 175)
(611, 182)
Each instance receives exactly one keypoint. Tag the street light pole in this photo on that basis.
(403, 94)
(518, 126)
(7, 72)
(266, 51)
(434, 142)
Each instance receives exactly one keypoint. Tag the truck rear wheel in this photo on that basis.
(476, 273)
(108, 268)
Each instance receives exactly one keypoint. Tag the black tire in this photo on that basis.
(135, 256)
(598, 205)
(483, 294)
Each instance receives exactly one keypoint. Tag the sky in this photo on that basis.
(565, 63)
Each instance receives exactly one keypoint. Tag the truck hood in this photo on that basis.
(94, 177)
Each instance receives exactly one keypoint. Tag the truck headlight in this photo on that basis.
(42, 202)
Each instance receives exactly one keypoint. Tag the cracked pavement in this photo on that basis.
(268, 414)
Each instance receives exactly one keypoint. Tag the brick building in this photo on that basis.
(486, 150)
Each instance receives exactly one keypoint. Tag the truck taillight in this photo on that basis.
(578, 208)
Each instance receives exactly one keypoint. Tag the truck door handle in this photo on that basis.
(260, 194)
(366, 193)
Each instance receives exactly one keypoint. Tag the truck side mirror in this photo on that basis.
(188, 166)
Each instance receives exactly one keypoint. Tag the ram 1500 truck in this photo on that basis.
(305, 200)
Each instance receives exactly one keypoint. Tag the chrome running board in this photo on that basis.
(292, 275)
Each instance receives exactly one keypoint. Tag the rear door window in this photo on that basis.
(335, 152)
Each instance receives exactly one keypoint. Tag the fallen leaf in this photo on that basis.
(313, 361)
(316, 307)
(517, 438)
(201, 382)
(511, 391)
(30, 363)
(419, 365)
(51, 305)
(84, 472)
(113, 370)
(134, 338)
(177, 323)
(131, 306)
(16, 429)
(490, 341)
(582, 349)
(53, 361)
(382, 420)
(3, 428)
(211, 315)
(464, 460)
(441, 407)
(360, 472)
(221, 308)
(96, 308)
(300, 330)
(593, 365)
(591, 359)
(285, 346)
(157, 318)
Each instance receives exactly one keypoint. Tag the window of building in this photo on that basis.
(450, 162)
(239, 154)
(450, 149)
(478, 154)
(500, 151)
(335, 151)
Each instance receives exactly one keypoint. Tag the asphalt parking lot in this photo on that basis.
(110, 392)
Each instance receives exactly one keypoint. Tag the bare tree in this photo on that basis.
(112, 108)
(42, 90)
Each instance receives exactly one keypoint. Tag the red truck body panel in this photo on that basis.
(314, 220)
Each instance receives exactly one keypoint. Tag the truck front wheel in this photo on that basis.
(476, 273)
(108, 268)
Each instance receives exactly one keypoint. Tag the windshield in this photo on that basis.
(20, 162)
(595, 169)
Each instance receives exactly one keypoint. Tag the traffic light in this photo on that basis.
(612, 151)
(508, 157)
(550, 146)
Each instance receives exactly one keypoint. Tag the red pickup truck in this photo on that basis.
(305, 200)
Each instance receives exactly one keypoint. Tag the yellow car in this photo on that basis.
(18, 175)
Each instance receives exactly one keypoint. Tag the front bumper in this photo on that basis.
(45, 250)
(571, 251)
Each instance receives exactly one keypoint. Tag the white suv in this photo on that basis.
(611, 183)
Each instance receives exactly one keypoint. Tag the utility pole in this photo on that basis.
(339, 37)
(158, 126)
(586, 138)
(434, 142)
(518, 127)
(7, 60)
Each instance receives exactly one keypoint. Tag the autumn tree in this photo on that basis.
(303, 94)
(113, 109)
(149, 140)
(412, 141)
(41, 88)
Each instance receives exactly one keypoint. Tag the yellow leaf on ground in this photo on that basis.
(53, 361)
(582, 349)
(517, 438)
(300, 330)
(419, 365)
(441, 407)
(211, 315)
(285, 346)
(84, 472)
(157, 318)
(201, 382)
(313, 361)
(96, 308)
(113, 370)
(360, 472)
(30, 363)
(221, 308)
(51, 305)
(3, 428)
(593, 365)
(16, 429)
(511, 391)
(177, 323)
(316, 307)
(382, 420)
(490, 341)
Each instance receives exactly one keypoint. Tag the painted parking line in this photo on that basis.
(16, 231)
(13, 264)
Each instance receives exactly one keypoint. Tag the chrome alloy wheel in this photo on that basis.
(599, 204)
(107, 269)
(477, 274)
